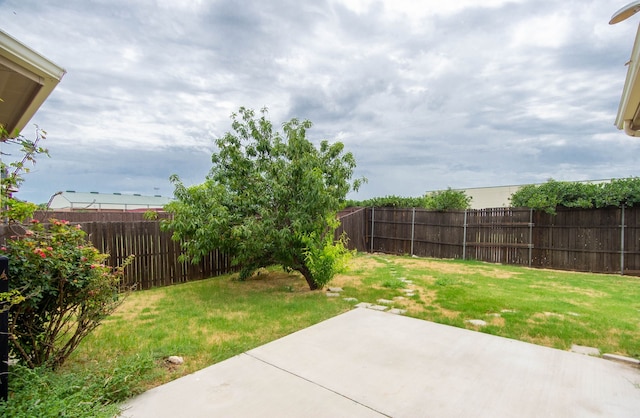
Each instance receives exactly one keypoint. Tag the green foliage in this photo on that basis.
(441, 200)
(11, 179)
(447, 200)
(389, 202)
(550, 195)
(41, 392)
(150, 215)
(324, 257)
(66, 288)
(268, 198)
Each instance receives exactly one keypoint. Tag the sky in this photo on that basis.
(426, 94)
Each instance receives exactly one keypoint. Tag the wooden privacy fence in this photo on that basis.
(596, 240)
(156, 255)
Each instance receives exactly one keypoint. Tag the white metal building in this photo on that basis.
(71, 200)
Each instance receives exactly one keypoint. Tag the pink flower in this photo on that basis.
(35, 221)
(50, 248)
(3, 248)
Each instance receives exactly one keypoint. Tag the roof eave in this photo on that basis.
(48, 73)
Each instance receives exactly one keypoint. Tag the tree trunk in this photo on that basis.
(308, 277)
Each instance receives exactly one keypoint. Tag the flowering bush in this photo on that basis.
(66, 287)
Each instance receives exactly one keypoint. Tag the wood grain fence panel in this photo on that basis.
(499, 235)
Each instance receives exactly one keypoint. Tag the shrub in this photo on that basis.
(448, 200)
(66, 291)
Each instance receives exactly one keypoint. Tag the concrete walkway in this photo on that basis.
(366, 363)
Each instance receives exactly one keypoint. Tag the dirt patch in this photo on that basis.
(569, 289)
(230, 315)
(497, 321)
(135, 304)
(427, 297)
(445, 267)
(270, 279)
(438, 266)
(345, 280)
(366, 262)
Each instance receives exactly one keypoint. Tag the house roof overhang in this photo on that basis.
(26, 80)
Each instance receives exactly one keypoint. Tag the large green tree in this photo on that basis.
(270, 198)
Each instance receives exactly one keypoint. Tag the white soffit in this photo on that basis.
(26, 80)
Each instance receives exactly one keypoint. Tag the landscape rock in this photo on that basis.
(335, 289)
(177, 360)
(476, 322)
(589, 351)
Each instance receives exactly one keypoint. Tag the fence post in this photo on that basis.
(464, 236)
(4, 332)
(622, 225)
(373, 215)
(413, 228)
(530, 235)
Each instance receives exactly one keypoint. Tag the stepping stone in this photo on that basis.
(333, 295)
(364, 305)
(476, 322)
(350, 299)
(508, 311)
(589, 351)
(397, 311)
(384, 301)
(408, 290)
(335, 289)
(573, 314)
(399, 298)
(378, 307)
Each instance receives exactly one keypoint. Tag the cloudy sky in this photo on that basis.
(427, 94)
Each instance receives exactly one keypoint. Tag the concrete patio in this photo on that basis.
(366, 363)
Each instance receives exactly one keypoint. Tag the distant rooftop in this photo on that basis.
(72, 200)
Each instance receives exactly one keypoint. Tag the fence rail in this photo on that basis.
(596, 240)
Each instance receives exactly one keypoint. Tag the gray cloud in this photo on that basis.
(425, 94)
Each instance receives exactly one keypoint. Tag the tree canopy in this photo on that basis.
(270, 198)
(549, 195)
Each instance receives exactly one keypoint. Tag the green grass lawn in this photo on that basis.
(545, 307)
(211, 320)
